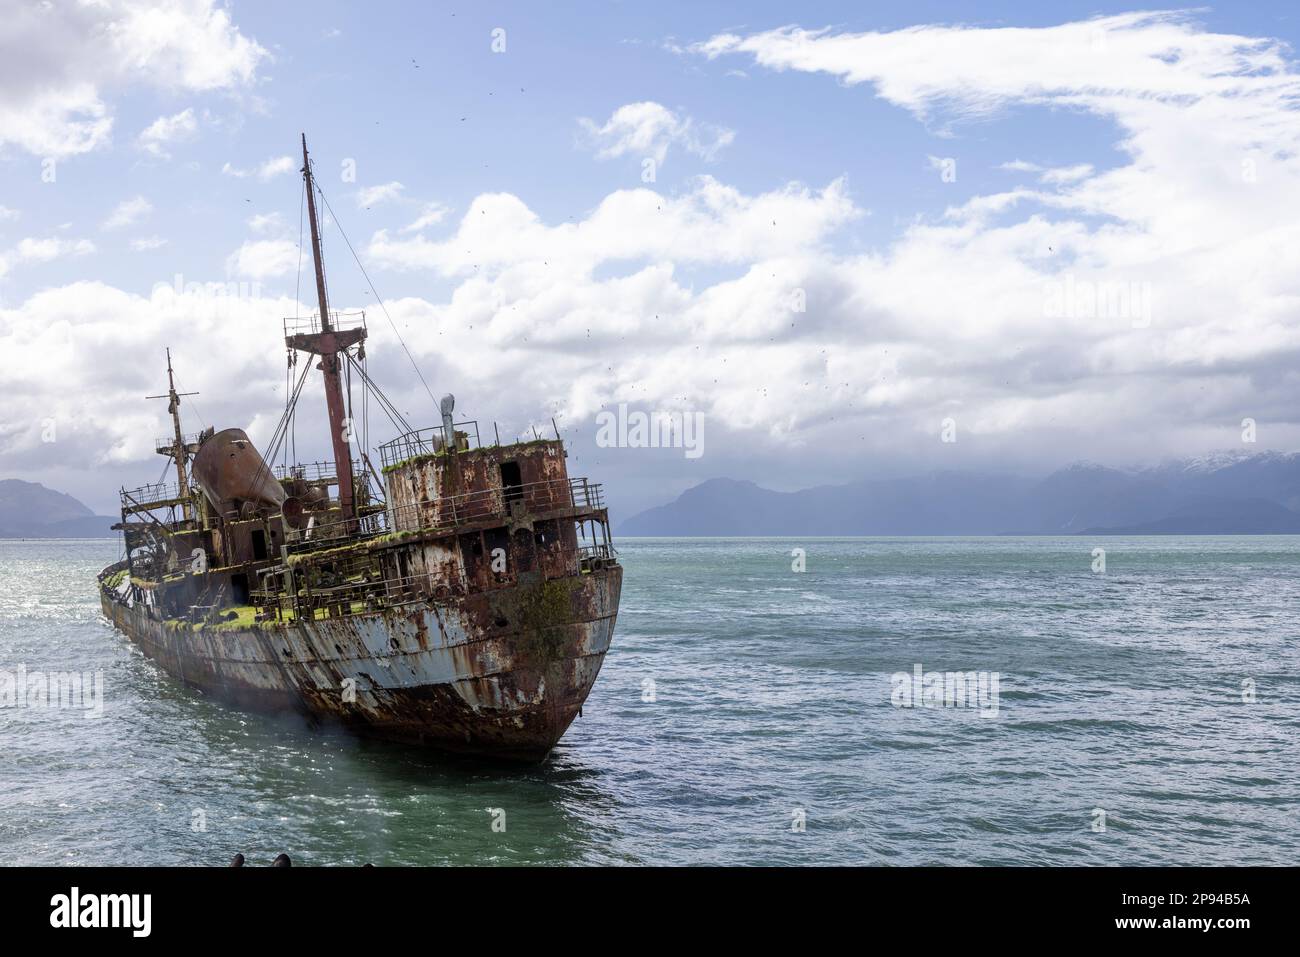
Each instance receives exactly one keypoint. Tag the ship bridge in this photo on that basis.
(460, 517)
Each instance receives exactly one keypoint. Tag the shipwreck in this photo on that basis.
(462, 596)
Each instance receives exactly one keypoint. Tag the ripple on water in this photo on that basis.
(743, 716)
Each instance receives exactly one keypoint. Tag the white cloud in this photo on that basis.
(63, 59)
(157, 135)
(63, 335)
(941, 164)
(373, 195)
(431, 215)
(1052, 175)
(45, 250)
(266, 223)
(1197, 214)
(263, 259)
(268, 169)
(128, 212)
(647, 129)
(276, 167)
(147, 243)
(34, 251)
(1067, 174)
(713, 223)
(7, 214)
(974, 71)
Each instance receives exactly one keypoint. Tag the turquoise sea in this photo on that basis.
(746, 714)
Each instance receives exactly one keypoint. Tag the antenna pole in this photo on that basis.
(178, 450)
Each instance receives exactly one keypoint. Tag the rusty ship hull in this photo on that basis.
(501, 673)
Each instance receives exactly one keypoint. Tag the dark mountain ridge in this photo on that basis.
(30, 510)
(1225, 494)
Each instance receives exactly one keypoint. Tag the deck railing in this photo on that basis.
(595, 556)
(167, 441)
(449, 512)
(339, 322)
(340, 600)
(428, 441)
(160, 492)
(315, 472)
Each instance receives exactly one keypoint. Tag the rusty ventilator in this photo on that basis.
(463, 599)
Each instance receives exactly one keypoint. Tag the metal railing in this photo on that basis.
(159, 492)
(167, 441)
(339, 321)
(595, 556)
(442, 514)
(309, 471)
(428, 441)
(341, 600)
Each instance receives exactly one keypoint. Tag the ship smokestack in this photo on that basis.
(232, 474)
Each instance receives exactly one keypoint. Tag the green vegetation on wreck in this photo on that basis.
(235, 618)
(352, 548)
(389, 537)
(414, 460)
(244, 618)
(540, 610)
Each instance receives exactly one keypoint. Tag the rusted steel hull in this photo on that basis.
(500, 673)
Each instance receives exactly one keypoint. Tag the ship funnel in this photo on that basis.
(233, 475)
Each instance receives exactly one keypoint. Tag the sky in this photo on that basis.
(846, 241)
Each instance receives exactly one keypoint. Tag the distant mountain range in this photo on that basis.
(30, 510)
(1222, 494)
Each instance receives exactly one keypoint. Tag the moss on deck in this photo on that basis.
(244, 618)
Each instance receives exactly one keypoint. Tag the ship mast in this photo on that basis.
(328, 343)
(178, 450)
